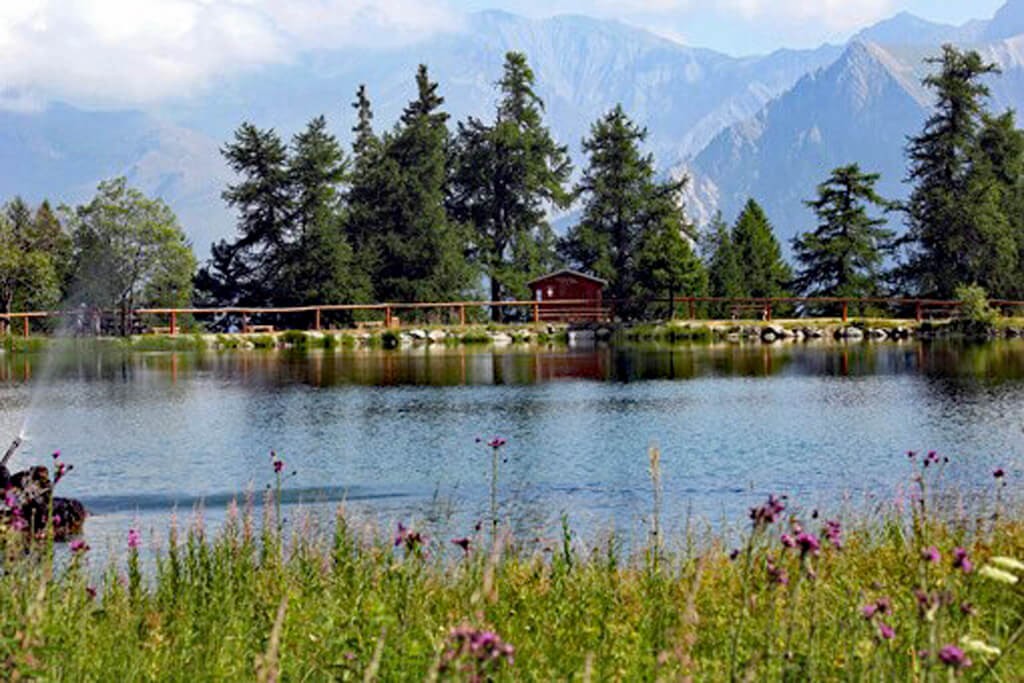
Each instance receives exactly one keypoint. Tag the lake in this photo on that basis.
(394, 433)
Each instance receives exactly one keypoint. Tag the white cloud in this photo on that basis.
(132, 51)
(837, 15)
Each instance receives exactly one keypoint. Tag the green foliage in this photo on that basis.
(505, 176)
(632, 230)
(294, 338)
(974, 306)
(130, 252)
(843, 256)
(475, 336)
(725, 276)
(30, 266)
(959, 230)
(765, 272)
(263, 341)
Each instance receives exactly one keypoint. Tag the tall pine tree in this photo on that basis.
(765, 272)
(247, 270)
(505, 178)
(725, 277)
(843, 256)
(420, 252)
(958, 232)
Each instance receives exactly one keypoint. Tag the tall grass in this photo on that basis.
(927, 594)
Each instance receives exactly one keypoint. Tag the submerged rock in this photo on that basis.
(29, 501)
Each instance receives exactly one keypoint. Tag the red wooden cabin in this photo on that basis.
(584, 291)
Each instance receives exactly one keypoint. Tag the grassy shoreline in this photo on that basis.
(920, 589)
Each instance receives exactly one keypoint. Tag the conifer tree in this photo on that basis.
(843, 256)
(319, 264)
(420, 253)
(765, 272)
(958, 232)
(725, 277)
(246, 270)
(505, 178)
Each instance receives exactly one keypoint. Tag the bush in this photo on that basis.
(294, 338)
(974, 306)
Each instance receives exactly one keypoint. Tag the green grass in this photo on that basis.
(161, 342)
(475, 336)
(339, 601)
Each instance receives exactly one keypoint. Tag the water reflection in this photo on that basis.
(394, 431)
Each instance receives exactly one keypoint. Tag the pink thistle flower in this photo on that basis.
(931, 555)
(79, 546)
(56, 454)
(808, 543)
(463, 543)
(788, 540)
(885, 631)
(999, 473)
(954, 657)
(961, 561)
(497, 442)
(134, 539)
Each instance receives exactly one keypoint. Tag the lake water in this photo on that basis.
(394, 433)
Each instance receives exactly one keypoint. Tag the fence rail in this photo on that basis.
(567, 310)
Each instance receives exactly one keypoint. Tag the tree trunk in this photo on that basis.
(496, 312)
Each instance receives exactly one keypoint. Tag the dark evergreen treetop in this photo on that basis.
(844, 255)
(955, 224)
(765, 272)
(505, 176)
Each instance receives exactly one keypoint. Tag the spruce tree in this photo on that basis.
(957, 232)
(618, 189)
(319, 264)
(247, 270)
(725, 277)
(666, 265)
(765, 272)
(505, 178)
(843, 256)
(420, 253)
(1001, 161)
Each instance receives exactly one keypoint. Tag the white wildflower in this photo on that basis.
(980, 647)
(998, 575)
(1008, 563)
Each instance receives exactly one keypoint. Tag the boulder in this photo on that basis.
(771, 333)
(501, 338)
(850, 333)
(437, 336)
(417, 335)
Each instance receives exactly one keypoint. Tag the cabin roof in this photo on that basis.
(567, 271)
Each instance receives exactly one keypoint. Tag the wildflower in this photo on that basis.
(497, 442)
(412, 540)
(808, 543)
(954, 657)
(79, 546)
(56, 454)
(768, 513)
(882, 606)
(931, 458)
(931, 555)
(968, 609)
(911, 454)
(1008, 563)
(463, 543)
(999, 473)
(278, 466)
(91, 592)
(134, 539)
(885, 631)
(990, 572)
(788, 540)
(834, 533)
(980, 647)
(961, 561)
(478, 650)
(776, 574)
(734, 554)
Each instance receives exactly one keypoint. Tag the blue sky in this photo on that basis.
(751, 26)
(130, 52)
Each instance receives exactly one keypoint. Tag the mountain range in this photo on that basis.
(769, 126)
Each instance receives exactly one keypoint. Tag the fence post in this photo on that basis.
(174, 323)
(316, 321)
(536, 313)
(25, 320)
(462, 315)
(768, 311)
(844, 311)
(918, 314)
(387, 316)
(693, 308)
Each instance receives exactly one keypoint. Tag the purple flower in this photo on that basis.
(497, 442)
(412, 540)
(788, 540)
(911, 454)
(768, 513)
(478, 651)
(869, 611)
(961, 561)
(808, 543)
(881, 606)
(834, 533)
(885, 631)
(56, 454)
(954, 657)
(278, 466)
(91, 592)
(79, 546)
(734, 554)
(931, 554)
(134, 538)
(463, 543)
(999, 473)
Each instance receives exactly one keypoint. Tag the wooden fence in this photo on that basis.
(569, 310)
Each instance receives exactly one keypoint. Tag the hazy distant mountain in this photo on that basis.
(584, 66)
(769, 126)
(859, 109)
